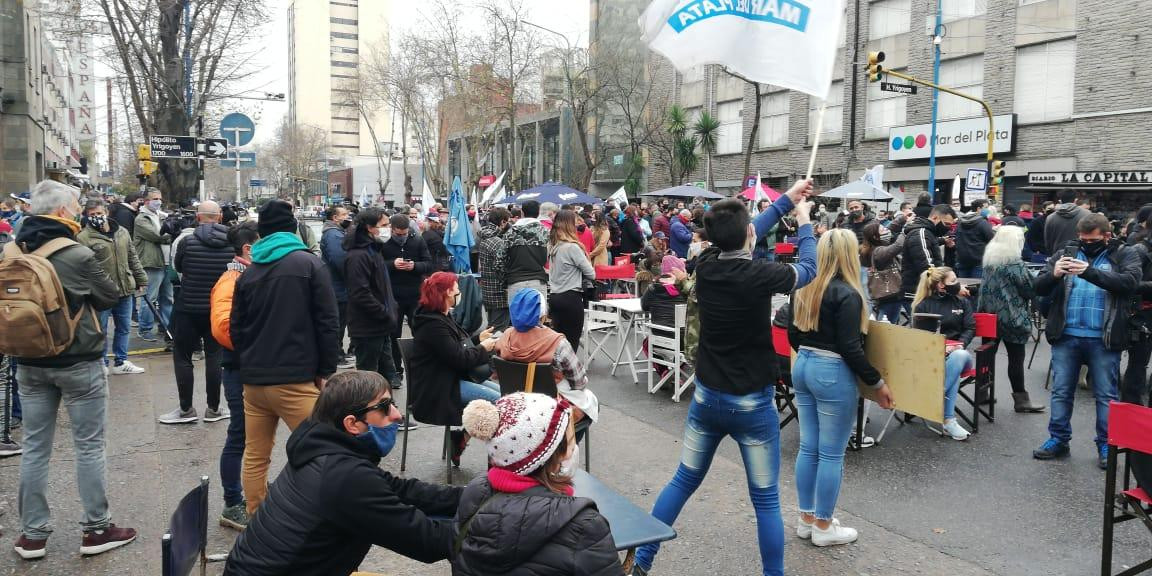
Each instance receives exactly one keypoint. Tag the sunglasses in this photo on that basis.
(384, 406)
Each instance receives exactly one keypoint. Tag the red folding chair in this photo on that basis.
(622, 260)
(785, 252)
(784, 393)
(982, 399)
(1129, 433)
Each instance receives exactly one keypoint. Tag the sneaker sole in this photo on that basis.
(93, 550)
(11, 452)
(803, 534)
(115, 373)
(230, 524)
(216, 418)
(179, 421)
(834, 543)
(1050, 456)
(31, 554)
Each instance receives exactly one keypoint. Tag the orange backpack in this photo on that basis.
(33, 309)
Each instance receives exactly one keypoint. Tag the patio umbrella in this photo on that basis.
(858, 190)
(553, 192)
(765, 192)
(685, 191)
(458, 237)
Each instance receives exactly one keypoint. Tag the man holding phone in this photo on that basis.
(409, 263)
(1091, 283)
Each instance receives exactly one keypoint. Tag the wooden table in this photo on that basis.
(632, 526)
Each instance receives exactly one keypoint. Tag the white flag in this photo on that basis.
(875, 176)
(795, 41)
(426, 198)
(619, 198)
(491, 190)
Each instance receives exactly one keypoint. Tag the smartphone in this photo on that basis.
(1072, 249)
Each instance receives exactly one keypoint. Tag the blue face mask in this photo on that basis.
(985, 212)
(7, 214)
(380, 439)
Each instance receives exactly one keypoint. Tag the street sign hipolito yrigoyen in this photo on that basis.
(172, 146)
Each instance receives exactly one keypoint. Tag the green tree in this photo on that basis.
(684, 144)
(707, 129)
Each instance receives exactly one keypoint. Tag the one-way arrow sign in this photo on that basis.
(215, 147)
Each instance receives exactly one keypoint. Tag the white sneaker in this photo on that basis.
(178, 416)
(834, 535)
(803, 529)
(127, 368)
(222, 413)
(955, 430)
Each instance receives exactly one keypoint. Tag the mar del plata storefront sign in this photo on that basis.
(1107, 178)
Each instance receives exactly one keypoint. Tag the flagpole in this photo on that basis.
(816, 143)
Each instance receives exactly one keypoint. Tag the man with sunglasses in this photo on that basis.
(332, 502)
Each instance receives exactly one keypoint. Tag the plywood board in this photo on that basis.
(912, 364)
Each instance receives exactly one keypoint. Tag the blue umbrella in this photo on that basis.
(459, 239)
(553, 192)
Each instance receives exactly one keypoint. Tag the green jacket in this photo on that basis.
(117, 255)
(148, 239)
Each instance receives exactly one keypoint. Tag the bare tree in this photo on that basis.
(297, 153)
(637, 111)
(515, 50)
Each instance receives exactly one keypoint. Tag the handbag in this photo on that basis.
(884, 284)
(478, 374)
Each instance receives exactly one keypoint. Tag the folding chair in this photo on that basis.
(666, 348)
(533, 377)
(185, 543)
(785, 396)
(785, 252)
(602, 323)
(982, 378)
(406, 348)
(1130, 434)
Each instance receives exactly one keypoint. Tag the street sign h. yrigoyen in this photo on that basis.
(172, 146)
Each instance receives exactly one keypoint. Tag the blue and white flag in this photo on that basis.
(619, 198)
(786, 43)
(458, 236)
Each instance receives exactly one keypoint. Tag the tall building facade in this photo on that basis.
(329, 44)
(1067, 80)
(618, 56)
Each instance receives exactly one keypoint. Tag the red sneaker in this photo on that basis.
(30, 549)
(100, 541)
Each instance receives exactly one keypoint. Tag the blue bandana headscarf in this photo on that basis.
(525, 310)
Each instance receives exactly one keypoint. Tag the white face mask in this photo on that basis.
(568, 464)
(384, 233)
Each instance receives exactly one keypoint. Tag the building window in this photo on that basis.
(965, 75)
(885, 110)
(692, 87)
(1045, 75)
(731, 134)
(347, 4)
(344, 21)
(889, 18)
(345, 50)
(340, 64)
(345, 36)
(774, 120)
(833, 116)
(952, 10)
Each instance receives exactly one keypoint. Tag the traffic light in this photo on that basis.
(144, 155)
(998, 172)
(875, 70)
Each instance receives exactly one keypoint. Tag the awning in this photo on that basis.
(1086, 187)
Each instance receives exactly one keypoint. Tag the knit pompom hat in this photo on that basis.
(522, 430)
(670, 263)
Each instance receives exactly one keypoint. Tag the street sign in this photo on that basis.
(247, 159)
(977, 180)
(172, 146)
(749, 181)
(898, 88)
(256, 183)
(237, 129)
(487, 180)
(215, 148)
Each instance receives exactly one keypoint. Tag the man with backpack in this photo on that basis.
(46, 274)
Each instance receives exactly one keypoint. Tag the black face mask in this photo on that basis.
(952, 289)
(345, 223)
(942, 229)
(1094, 248)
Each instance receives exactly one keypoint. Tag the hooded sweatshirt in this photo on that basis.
(972, 237)
(284, 322)
(1060, 226)
(201, 259)
(332, 503)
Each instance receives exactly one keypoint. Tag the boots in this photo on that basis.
(1024, 404)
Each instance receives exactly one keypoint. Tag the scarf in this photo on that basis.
(512, 483)
(72, 225)
(536, 345)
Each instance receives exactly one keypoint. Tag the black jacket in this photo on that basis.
(331, 503)
(534, 533)
(921, 251)
(839, 330)
(1121, 282)
(631, 236)
(526, 244)
(439, 362)
(332, 252)
(406, 283)
(661, 299)
(972, 237)
(285, 325)
(124, 215)
(371, 307)
(1034, 237)
(956, 319)
(436, 249)
(201, 259)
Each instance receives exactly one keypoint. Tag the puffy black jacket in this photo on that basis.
(526, 244)
(201, 259)
(972, 237)
(1121, 282)
(406, 283)
(331, 503)
(124, 215)
(661, 300)
(534, 533)
(436, 249)
(371, 307)
(921, 251)
(956, 319)
(284, 324)
(838, 331)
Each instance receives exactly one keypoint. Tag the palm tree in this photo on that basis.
(707, 129)
(684, 144)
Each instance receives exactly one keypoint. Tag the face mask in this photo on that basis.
(942, 229)
(456, 300)
(345, 224)
(1094, 248)
(97, 222)
(857, 214)
(952, 289)
(154, 205)
(379, 440)
(384, 233)
(8, 214)
(985, 212)
(568, 464)
(400, 239)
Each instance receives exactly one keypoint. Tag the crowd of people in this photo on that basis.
(306, 329)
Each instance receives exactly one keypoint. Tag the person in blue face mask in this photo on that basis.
(332, 502)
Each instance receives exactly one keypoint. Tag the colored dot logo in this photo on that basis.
(909, 142)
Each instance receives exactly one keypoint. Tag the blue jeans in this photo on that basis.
(1068, 354)
(121, 314)
(83, 389)
(969, 271)
(826, 405)
(957, 362)
(160, 294)
(17, 412)
(232, 456)
(470, 391)
(890, 309)
(751, 420)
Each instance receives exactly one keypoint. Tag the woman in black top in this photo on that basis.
(941, 294)
(829, 360)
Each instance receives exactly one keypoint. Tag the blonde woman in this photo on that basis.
(829, 360)
(569, 270)
(940, 293)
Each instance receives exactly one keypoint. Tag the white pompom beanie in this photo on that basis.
(522, 430)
